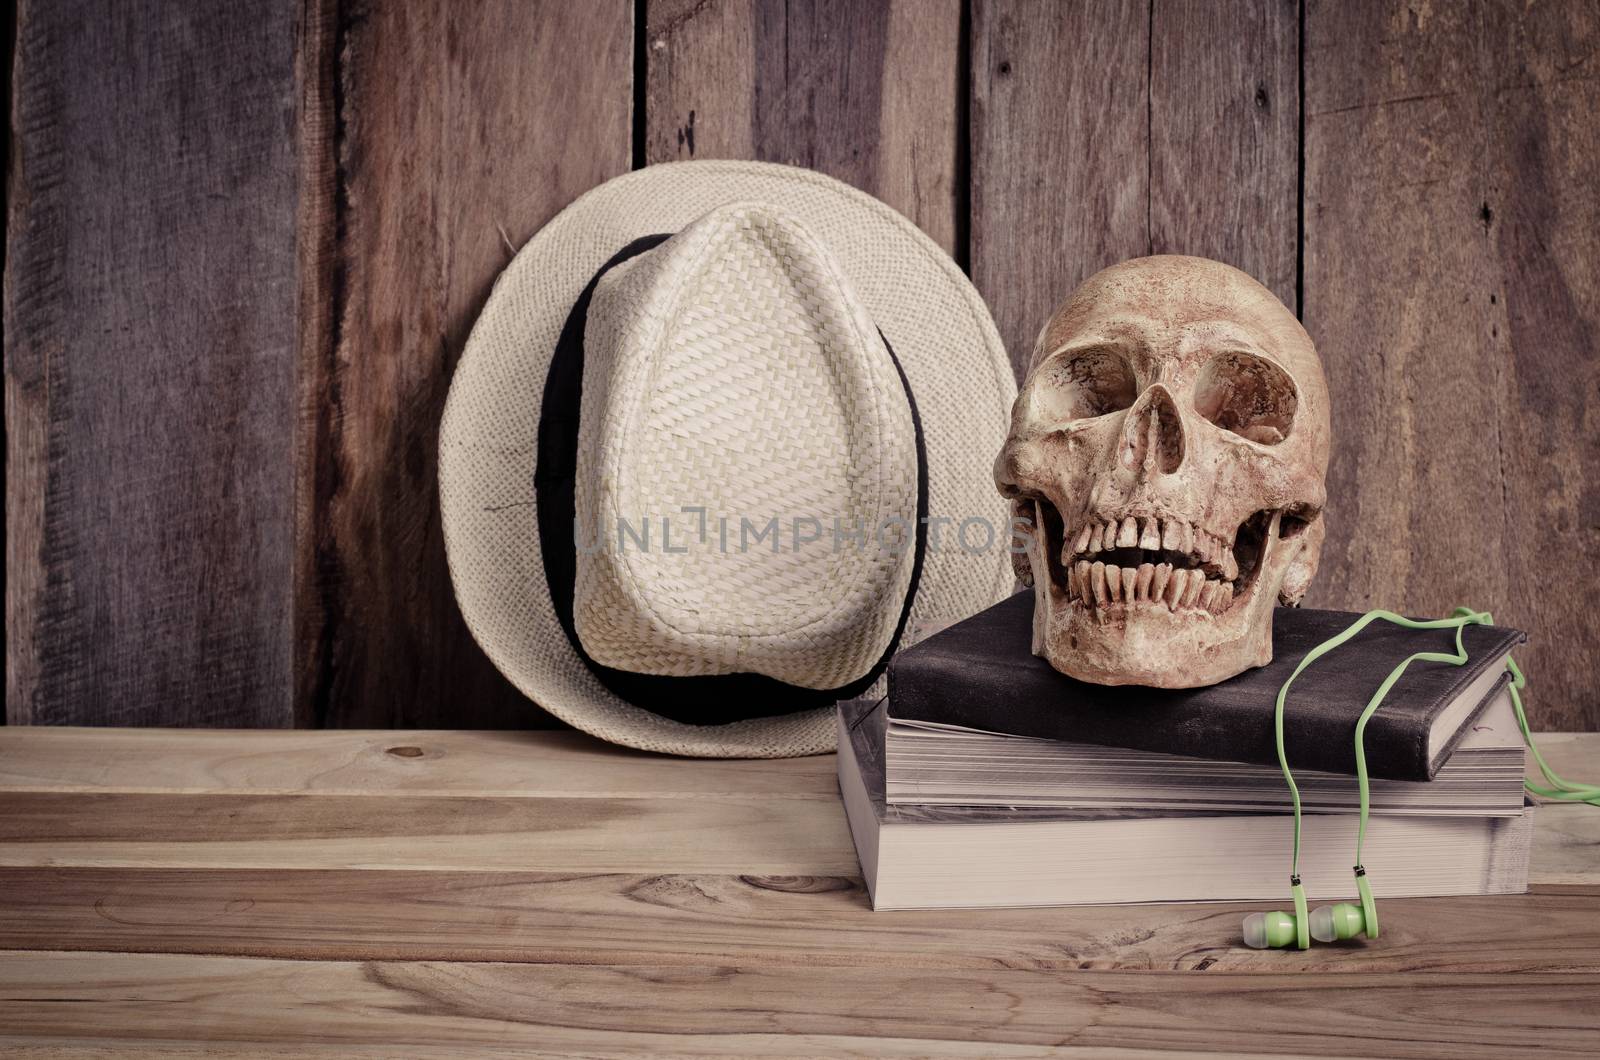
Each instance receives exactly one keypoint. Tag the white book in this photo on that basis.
(969, 857)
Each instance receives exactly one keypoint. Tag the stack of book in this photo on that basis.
(988, 779)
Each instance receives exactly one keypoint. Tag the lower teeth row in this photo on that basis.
(1158, 583)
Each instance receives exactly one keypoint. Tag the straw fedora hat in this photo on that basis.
(701, 449)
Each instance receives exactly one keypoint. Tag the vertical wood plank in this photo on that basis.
(867, 93)
(463, 128)
(1543, 228)
(1451, 161)
(1060, 153)
(1397, 295)
(1102, 132)
(150, 306)
(1225, 135)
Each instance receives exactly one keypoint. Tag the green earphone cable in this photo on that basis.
(1564, 790)
(1459, 620)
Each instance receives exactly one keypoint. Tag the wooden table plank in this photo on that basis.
(744, 919)
(160, 890)
(587, 834)
(867, 93)
(150, 300)
(607, 812)
(80, 1048)
(711, 834)
(293, 800)
(1566, 842)
(462, 762)
(359, 762)
(732, 1009)
(463, 129)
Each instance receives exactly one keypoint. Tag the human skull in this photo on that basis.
(1167, 451)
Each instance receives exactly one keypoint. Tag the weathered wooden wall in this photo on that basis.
(150, 359)
(1452, 282)
(245, 244)
(459, 129)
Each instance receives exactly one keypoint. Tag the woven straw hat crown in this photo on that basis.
(770, 360)
(738, 408)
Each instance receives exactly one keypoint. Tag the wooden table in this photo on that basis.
(354, 894)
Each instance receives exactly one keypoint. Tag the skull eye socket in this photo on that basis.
(1247, 395)
(1085, 384)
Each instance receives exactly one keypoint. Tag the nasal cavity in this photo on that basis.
(1152, 439)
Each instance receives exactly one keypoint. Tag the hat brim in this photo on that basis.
(927, 309)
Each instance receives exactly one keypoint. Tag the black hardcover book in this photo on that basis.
(982, 674)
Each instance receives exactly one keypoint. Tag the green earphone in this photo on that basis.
(1346, 920)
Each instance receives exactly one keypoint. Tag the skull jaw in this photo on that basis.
(1172, 651)
(1151, 646)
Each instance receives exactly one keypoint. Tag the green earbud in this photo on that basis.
(1273, 930)
(1326, 923)
(1277, 928)
(1347, 920)
(1333, 923)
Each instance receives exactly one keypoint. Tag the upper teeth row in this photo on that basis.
(1176, 535)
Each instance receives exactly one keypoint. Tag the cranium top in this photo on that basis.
(1169, 446)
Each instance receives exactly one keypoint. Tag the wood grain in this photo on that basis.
(244, 900)
(737, 1010)
(1108, 131)
(228, 337)
(699, 834)
(1543, 234)
(463, 128)
(711, 834)
(1225, 135)
(607, 812)
(80, 1048)
(1060, 153)
(746, 919)
(1395, 146)
(1566, 841)
(530, 764)
(868, 93)
(1450, 285)
(150, 301)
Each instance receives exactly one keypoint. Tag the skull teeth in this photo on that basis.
(1177, 585)
(1097, 584)
(1152, 534)
(1155, 561)
(1230, 565)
